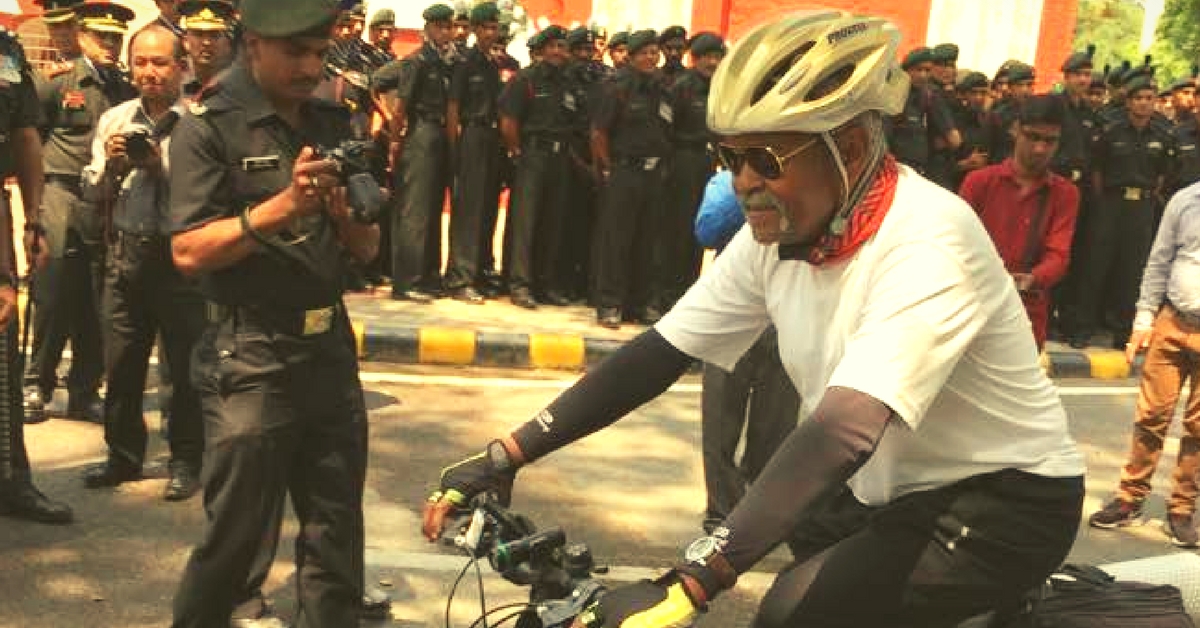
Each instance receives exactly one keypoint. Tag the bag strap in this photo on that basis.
(1033, 241)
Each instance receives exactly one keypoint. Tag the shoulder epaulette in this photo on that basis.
(58, 68)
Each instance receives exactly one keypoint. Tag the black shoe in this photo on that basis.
(557, 299)
(1182, 530)
(35, 406)
(1078, 342)
(376, 604)
(467, 294)
(649, 316)
(90, 409)
(522, 298)
(183, 483)
(414, 295)
(110, 473)
(21, 500)
(488, 290)
(1117, 513)
(609, 317)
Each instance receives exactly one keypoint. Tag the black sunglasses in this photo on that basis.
(763, 159)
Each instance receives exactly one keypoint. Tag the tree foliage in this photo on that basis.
(1177, 40)
(1114, 27)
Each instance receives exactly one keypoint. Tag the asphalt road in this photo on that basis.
(634, 493)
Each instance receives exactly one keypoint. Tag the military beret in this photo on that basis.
(107, 17)
(641, 39)
(206, 15)
(1098, 81)
(438, 13)
(1080, 61)
(705, 43)
(619, 39)
(1136, 72)
(535, 41)
(1021, 73)
(1139, 83)
(581, 36)
(288, 18)
(484, 13)
(59, 11)
(672, 32)
(547, 35)
(384, 17)
(972, 80)
(917, 56)
(945, 53)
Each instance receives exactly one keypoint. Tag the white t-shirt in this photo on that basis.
(923, 318)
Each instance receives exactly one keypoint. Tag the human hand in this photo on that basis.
(492, 470)
(312, 181)
(1139, 340)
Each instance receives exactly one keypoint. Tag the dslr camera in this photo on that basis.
(353, 159)
(139, 145)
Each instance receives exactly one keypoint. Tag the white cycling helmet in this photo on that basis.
(766, 82)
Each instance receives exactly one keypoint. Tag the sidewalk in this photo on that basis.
(499, 334)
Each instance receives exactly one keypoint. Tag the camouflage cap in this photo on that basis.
(288, 18)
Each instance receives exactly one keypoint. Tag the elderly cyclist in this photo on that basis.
(931, 471)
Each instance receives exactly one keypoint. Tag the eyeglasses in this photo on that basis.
(763, 159)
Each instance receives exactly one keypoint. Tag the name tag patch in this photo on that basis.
(259, 164)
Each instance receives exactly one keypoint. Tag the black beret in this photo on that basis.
(945, 53)
(438, 13)
(672, 32)
(1021, 73)
(705, 43)
(484, 13)
(580, 36)
(535, 41)
(1077, 62)
(972, 80)
(1097, 81)
(917, 56)
(641, 39)
(546, 35)
(288, 18)
(382, 17)
(619, 39)
(1139, 83)
(1139, 71)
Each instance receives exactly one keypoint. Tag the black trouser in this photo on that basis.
(421, 181)
(535, 218)
(144, 295)
(477, 190)
(625, 235)
(757, 395)
(680, 254)
(282, 414)
(579, 223)
(14, 461)
(66, 299)
(929, 559)
(1117, 243)
(1066, 293)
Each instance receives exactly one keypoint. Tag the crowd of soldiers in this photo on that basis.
(1128, 145)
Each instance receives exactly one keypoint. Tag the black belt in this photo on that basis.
(1130, 193)
(130, 238)
(486, 122)
(312, 322)
(543, 143)
(640, 163)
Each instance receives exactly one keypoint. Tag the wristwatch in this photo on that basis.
(706, 552)
(497, 453)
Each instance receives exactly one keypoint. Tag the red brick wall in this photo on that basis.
(1054, 40)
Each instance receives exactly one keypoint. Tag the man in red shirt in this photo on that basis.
(1028, 210)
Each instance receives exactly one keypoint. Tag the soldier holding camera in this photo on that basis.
(143, 292)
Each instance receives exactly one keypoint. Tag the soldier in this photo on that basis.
(924, 119)
(73, 97)
(168, 16)
(618, 50)
(970, 118)
(1183, 97)
(461, 24)
(62, 26)
(601, 36)
(536, 113)
(20, 156)
(472, 124)
(692, 165)
(264, 224)
(381, 30)
(421, 156)
(943, 155)
(1004, 114)
(945, 67)
(1132, 160)
(672, 42)
(631, 132)
(208, 39)
(1097, 92)
(143, 292)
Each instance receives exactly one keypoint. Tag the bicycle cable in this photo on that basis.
(523, 606)
(474, 561)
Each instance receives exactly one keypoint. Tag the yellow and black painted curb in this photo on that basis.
(1092, 364)
(468, 347)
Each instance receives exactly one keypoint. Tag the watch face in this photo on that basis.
(701, 549)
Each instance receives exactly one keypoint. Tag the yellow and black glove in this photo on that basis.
(492, 470)
(663, 603)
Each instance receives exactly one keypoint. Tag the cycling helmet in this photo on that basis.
(766, 82)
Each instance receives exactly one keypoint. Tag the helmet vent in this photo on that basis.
(780, 69)
(831, 83)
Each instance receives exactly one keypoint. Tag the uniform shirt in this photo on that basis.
(689, 95)
(638, 114)
(1187, 164)
(540, 98)
(923, 317)
(972, 125)
(1000, 122)
(423, 83)
(587, 80)
(142, 199)
(234, 152)
(1078, 137)
(73, 97)
(476, 87)
(1008, 214)
(18, 110)
(1129, 157)
(1173, 269)
(925, 116)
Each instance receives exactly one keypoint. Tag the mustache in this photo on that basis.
(759, 200)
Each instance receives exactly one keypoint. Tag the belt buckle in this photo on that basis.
(317, 321)
(214, 312)
(1076, 176)
(1133, 194)
(556, 145)
(650, 163)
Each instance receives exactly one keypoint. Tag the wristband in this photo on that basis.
(249, 229)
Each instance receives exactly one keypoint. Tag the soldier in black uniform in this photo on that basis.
(945, 67)
(1073, 161)
(1183, 97)
(672, 42)
(1004, 114)
(381, 31)
(692, 165)
(20, 156)
(473, 124)
(462, 24)
(970, 119)
(422, 159)
(1097, 92)
(943, 155)
(925, 118)
(618, 50)
(1132, 161)
(536, 112)
(66, 293)
(263, 223)
(631, 139)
